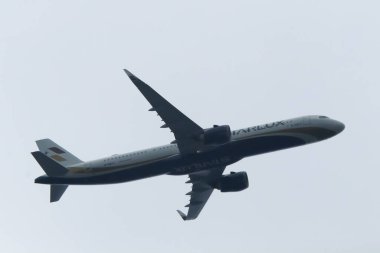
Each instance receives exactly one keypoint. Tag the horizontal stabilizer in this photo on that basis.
(56, 191)
(51, 167)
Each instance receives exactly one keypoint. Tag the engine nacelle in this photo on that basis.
(233, 183)
(217, 135)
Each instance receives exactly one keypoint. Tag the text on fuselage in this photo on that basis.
(258, 128)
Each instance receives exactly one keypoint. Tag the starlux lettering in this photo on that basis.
(258, 128)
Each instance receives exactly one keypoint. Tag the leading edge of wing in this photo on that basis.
(183, 128)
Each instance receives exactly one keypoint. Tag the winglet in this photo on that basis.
(183, 216)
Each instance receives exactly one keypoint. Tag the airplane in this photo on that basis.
(202, 154)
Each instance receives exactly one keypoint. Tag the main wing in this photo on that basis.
(202, 189)
(184, 129)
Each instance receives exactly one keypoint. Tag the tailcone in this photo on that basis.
(43, 180)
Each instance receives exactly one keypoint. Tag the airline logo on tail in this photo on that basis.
(57, 154)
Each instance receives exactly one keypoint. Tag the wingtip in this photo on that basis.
(134, 78)
(183, 216)
(128, 72)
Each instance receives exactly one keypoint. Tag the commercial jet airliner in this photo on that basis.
(202, 154)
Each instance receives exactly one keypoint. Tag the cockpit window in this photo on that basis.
(323, 117)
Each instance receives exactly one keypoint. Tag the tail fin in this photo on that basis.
(57, 153)
(54, 160)
(52, 169)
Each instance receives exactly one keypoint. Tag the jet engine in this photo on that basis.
(233, 182)
(217, 135)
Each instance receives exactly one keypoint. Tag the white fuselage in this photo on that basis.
(151, 155)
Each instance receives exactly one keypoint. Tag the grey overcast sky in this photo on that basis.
(241, 63)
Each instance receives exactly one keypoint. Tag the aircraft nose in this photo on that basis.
(328, 128)
(337, 126)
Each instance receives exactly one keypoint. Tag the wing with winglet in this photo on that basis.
(203, 185)
(184, 129)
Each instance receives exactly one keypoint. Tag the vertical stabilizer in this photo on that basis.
(57, 153)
